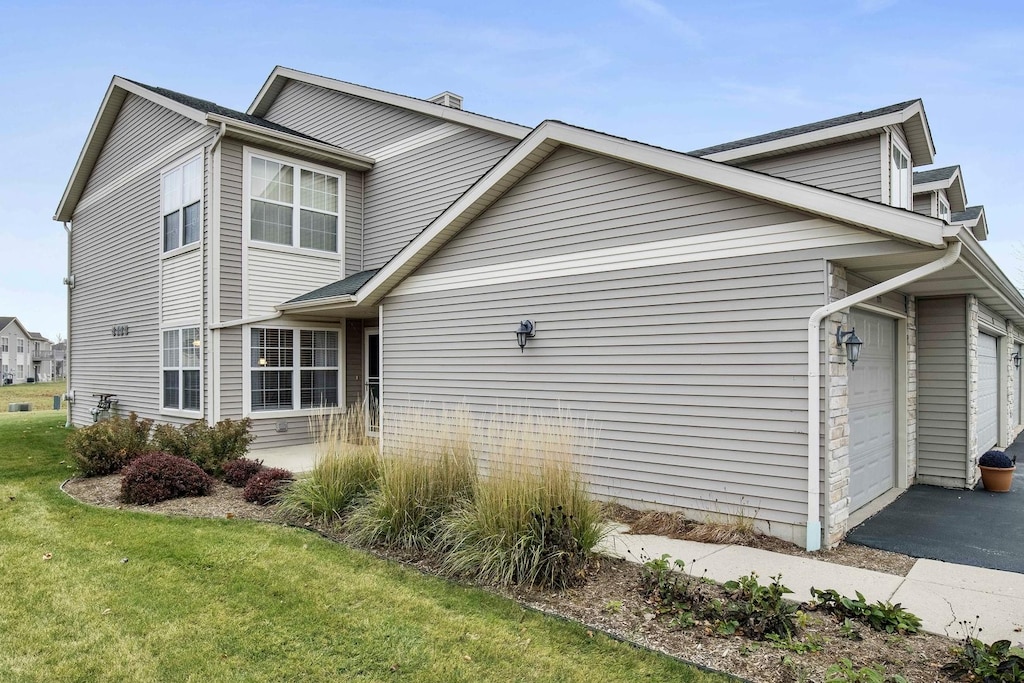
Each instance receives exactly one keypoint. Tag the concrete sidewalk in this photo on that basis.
(939, 593)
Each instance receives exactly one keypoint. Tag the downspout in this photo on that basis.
(69, 282)
(949, 257)
(211, 345)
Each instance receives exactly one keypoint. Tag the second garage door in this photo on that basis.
(872, 404)
(988, 392)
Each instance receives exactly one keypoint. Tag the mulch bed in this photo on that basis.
(610, 601)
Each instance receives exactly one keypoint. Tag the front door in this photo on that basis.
(371, 352)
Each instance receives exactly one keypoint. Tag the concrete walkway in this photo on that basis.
(939, 593)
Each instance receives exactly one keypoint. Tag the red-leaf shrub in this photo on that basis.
(264, 487)
(239, 471)
(153, 477)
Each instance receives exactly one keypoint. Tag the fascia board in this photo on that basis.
(260, 106)
(903, 225)
(826, 134)
(295, 143)
(101, 126)
(991, 272)
(316, 303)
(954, 185)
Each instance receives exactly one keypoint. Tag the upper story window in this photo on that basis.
(293, 205)
(181, 192)
(943, 208)
(21, 345)
(899, 178)
(5, 344)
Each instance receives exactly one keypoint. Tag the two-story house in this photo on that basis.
(702, 310)
(25, 356)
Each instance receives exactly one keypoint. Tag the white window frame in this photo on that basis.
(905, 175)
(21, 371)
(5, 344)
(181, 368)
(295, 369)
(21, 345)
(943, 210)
(167, 207)
(296, 204)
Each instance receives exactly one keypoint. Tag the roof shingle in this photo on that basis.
(346, 287)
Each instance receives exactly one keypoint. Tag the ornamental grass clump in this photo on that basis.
(154, 477)
(530, 519)
(426, 471)
(346, 469)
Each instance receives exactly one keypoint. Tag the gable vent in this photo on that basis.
(448, 99)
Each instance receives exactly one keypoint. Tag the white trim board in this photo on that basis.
(771, 239)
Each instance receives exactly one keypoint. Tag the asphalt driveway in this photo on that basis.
(976, 528)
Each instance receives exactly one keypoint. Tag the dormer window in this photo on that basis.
(899, 178)
(943, 208)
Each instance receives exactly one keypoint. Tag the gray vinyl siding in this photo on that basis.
(986, 316)
(405, 193)
(619, 204)
(923, 203)
(354, 381)
(231, 278)
(693, 374)
(353, 245)
(115, 256)
(142, 128)
(402, 193)
(942, 390)
(267, 436)
(852, 167)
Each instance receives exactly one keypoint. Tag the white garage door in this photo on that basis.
(988, 392)
(872, 402)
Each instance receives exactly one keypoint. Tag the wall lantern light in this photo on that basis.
(1016, 360)
(524, 332)
(853, 344)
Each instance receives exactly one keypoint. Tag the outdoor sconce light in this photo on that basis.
(853, 344)
(524, 332)
(1016, 360)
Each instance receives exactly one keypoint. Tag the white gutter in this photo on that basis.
(246, 321)
(951, 255)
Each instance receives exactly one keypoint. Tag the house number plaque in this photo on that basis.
(119, 330)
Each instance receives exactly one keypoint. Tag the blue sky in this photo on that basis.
(681, 75)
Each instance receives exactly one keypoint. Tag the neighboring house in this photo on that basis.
(58, 359)
(336, 242)
(24, 356)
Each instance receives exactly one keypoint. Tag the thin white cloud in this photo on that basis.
(667, 19)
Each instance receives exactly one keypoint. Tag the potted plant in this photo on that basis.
(997, 470)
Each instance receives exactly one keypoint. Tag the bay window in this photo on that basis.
(181, 374)
(293, 205)
(293, 369)
(181, 191)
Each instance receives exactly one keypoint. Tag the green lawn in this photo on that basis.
(39, 394)
(139, 597)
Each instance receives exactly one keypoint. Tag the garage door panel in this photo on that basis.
(988, 392)
(872, 404)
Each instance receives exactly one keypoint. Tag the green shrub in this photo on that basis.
(844, 671)
(999, 662)
(881, 616)
(761, 611)
(530, 519)
(154, 477)
(429, 471)
(107, 446)
(209, 447)
(266, 485)
(346, 469)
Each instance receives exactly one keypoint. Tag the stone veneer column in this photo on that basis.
(837, 419)
(911, 389)
(971, 457)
